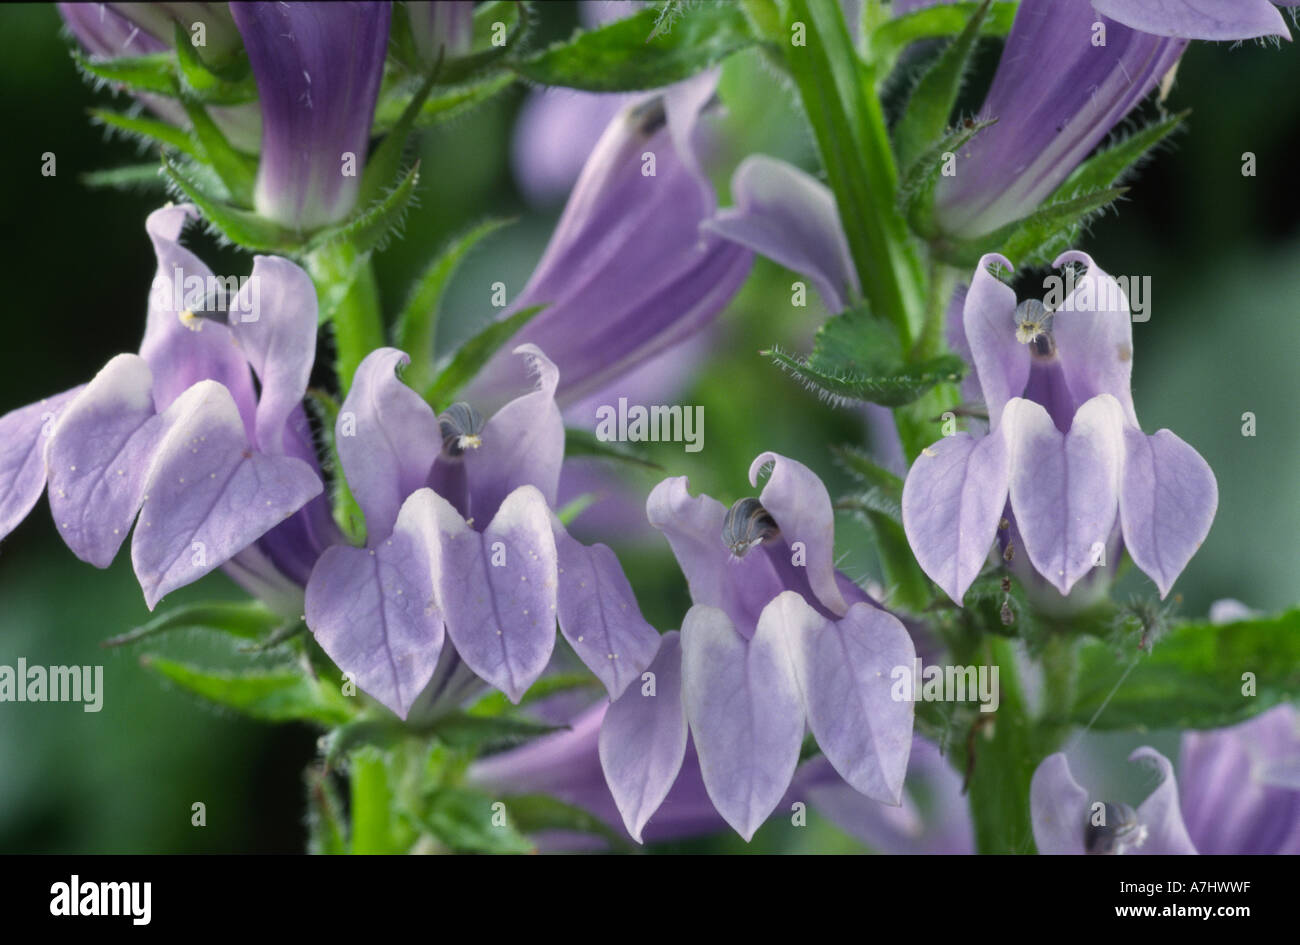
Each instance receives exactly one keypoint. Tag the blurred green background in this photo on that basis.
(1223, 252)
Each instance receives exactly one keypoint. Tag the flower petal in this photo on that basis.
(798, 502)
(387, 439)
(24, 436)
(496, 589)
(1160, 813)
(181, 354)
(208, 495)
(1058, 807)
(844, 668)
(373, 611)
(693, 526)
(523, 444)
(953, 499)
(643, 739)
(1065, 487)
(1167, 500)
(99, 457)
(745, 713)
(790, 217)
(598, 613)
(1093, 332)
(274, 322)
(318, 68)
(1203, 19)
(989, 319)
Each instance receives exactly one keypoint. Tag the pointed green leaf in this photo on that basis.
(416, 328)
(154, 73)
(462, 730)
(942, 19)
(628, 55)
(237, 171)
(239, 226)
(148, 129)
(1106, 167)
(467, 821)
(580, 442)
(1193, 677)
(232, 84)
(270, 695)
(867, 471)
(473, 354)
(916, 192)
(373, 227)
(442, 105)
(143, 177)
(248, 620)
(384, 165)
(934, 96)
(1036, 238)
(539, 813)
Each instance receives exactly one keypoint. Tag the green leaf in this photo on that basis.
(1036, 238)
(579, 442)
(473, 354)
(856, 359)
(849, 127)
(1193, 676)
(859, 464)
(462, 730)
(463, 820)
(932, 100)
(384, 164)
(880, 509)
(448, 103)
(537, 813)
(239, 226)
(155, 72)
(416, 328)
(1106, 167)
(916, 192)
(232, 84)
(628, 55)
(148, 129)
(247, 620)
(237, 171)
(144, 177)
(944, 19)
(273, 695)
(373, 227)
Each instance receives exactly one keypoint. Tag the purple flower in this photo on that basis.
(318, 68)
(177, 434)
(462, 542)
(1239, 793)
(1202, 19)
(1055, 96)
(1067, 820)
(1064, 461)
(776, 638)
(627, 273)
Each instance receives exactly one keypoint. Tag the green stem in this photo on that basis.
(848, 123)
(372, 801)
(349, 294)
(1004, 757)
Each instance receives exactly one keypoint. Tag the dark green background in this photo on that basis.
(1223, 251)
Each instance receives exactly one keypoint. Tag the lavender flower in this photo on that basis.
(461, 540)
(1215, 19)
(627, 273)
(1055, 96)
(318, 68)
(177, 433)
(1239, 794)
(776, 637)
(1064, 461)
